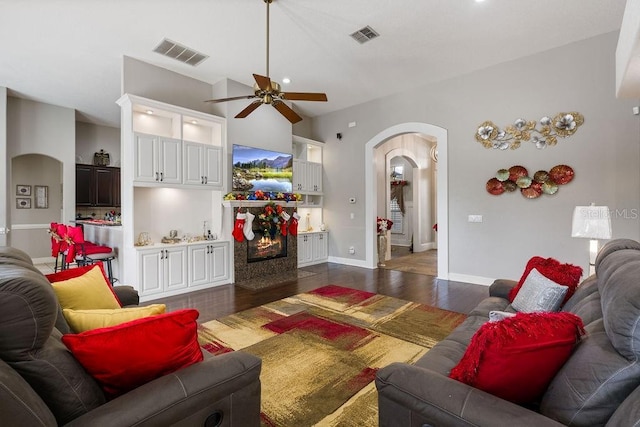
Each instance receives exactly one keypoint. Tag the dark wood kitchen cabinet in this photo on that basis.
(97, 186)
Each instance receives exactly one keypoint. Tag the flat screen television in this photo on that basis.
(257, 169)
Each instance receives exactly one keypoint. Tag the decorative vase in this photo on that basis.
(382, 249)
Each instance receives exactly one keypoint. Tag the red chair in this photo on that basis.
(84, 252)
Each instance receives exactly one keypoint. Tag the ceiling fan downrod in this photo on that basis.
(268, 2)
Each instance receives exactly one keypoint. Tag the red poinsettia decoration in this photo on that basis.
(383, 224)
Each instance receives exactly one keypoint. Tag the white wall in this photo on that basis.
(37, 128)
(91, 138)
(604, 153)
(4, 174)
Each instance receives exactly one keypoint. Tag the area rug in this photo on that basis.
(321, 350)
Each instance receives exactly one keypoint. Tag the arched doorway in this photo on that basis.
(373, 182)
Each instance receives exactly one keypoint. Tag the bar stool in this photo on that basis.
(84, 252)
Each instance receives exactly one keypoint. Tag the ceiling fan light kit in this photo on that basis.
(269, 92)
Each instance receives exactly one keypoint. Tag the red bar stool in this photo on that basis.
(84, 252)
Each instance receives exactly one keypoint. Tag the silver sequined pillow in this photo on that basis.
(539, 294)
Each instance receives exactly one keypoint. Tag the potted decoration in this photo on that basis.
(382, 225)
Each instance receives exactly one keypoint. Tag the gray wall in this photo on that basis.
(92, 138)
(49, 130)
(4, 172)
(604, 154)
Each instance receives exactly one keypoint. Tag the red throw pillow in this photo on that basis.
(72, 273)
(516, 358)
(563, 274)
(131, 354)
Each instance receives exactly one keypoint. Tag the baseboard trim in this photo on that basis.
(349, 261)
(476, 280)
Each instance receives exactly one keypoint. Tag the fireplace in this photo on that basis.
(265, 246)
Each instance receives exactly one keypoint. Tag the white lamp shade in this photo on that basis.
(591, 222)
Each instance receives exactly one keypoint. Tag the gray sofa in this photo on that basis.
(41, 383)
(598, 385)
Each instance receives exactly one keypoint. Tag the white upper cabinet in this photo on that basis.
(202, 164)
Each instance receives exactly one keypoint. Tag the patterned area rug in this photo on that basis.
(420, 263)
(321, 350)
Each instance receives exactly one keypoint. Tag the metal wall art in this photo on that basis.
(541, 134)
(542, 182)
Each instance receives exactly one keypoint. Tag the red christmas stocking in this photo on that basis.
(293, 224)
(284, 217)
(238, 228)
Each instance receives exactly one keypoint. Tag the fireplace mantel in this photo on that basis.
(257, 203)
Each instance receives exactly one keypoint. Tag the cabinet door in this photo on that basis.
(103, 188)
(150, 272)
(300, 172)
(145, 158)
(192, 171)
(212, 165)
(199, 265)
(175, 269)
(170, 160)
(314, 176)
(305, 249)
(219, 263)
(320, 247)
(115, 188)
(84, 185)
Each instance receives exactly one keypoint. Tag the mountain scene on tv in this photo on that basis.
(257, 169)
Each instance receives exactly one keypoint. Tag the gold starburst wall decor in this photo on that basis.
(543, 133)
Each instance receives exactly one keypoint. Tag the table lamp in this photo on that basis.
(591, 222)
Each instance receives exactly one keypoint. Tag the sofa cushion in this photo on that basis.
(87, 291)
(539, 294)
(128, 355)
(86, 320)
(563, 274)
(516, 358)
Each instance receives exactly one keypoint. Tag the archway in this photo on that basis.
(371, 189)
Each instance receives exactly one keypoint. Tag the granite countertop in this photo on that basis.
(98, 222)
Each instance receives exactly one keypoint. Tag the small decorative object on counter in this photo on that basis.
(143, 239)
(101, 158)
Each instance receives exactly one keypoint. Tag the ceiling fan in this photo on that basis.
(268, 92)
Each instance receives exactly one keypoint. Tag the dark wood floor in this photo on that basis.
(223, 300)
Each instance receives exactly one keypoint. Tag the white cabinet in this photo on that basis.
(307, 176)
(157, 159)
(162, 271)
(312, 248)
(208, 263)
(202, 164)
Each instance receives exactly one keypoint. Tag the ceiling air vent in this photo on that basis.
(365, 34)
(179, 52)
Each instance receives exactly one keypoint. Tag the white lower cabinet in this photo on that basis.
(313, 248)
(162, 271)
(208, 263)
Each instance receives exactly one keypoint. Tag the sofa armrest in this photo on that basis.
(412, 396)
(127, 295)
(501, 288)
(228, 384)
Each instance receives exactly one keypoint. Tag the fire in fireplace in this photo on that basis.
(264, 247)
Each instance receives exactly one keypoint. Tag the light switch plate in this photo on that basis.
(475, 218)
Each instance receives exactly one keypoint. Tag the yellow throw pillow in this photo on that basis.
(86, 292)
(86, 320)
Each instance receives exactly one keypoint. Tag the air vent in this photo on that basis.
(365, 34)
(179, 52)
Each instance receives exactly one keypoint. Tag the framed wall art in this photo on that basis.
(23, 203)
(23, 190)
(41, 197)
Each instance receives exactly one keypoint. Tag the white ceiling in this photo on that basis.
(69, 52)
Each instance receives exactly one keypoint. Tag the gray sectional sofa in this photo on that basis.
(598, 385)
(42, 384)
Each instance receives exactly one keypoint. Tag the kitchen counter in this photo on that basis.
(105, 233)
(98, 222)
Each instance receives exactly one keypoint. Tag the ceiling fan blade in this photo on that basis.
(233, 98)
(284, 109)
(248, 110)
(263, 82)
(304, 96)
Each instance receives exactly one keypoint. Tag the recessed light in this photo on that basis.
(194, 122)
(286, 80)
(479, 1)
(149, 111)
